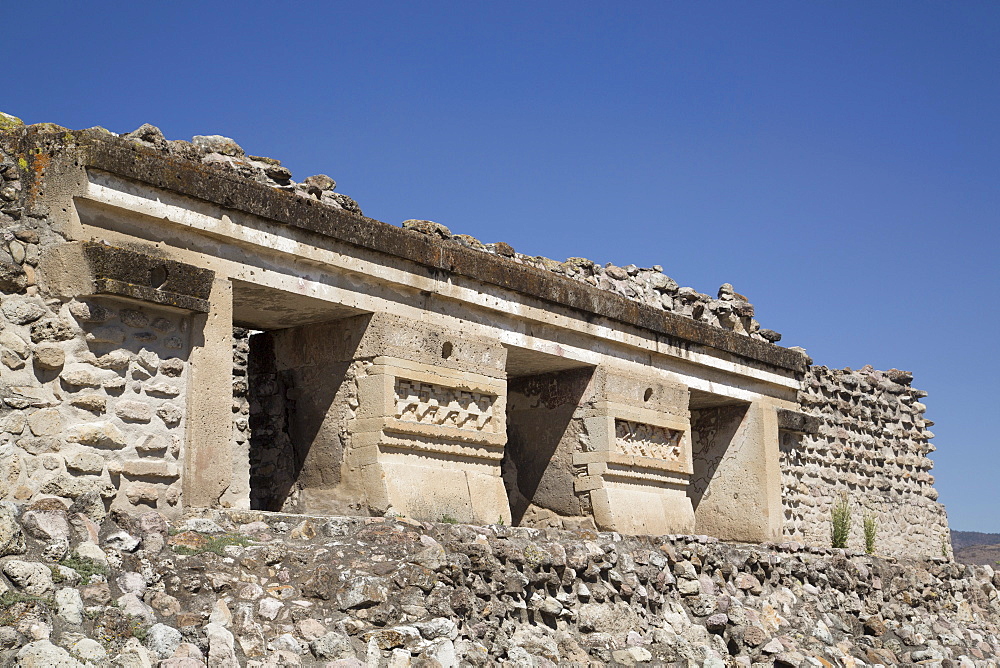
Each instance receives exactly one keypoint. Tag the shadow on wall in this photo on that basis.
(299, 385)
(712, 432)
(542, 436)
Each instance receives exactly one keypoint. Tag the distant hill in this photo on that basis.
(975, 547)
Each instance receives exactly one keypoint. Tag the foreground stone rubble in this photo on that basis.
(262, 589)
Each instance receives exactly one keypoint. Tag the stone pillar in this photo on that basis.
(208, 460)
(736, 489)
(379, 412)
(430, 429)
(428, 441)
(636, 461)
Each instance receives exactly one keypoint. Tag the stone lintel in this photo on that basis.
(801, 423)
(128, 160)
(88, 268)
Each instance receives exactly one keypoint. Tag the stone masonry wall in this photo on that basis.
(256, 589)
(872, 446)
(92, 402)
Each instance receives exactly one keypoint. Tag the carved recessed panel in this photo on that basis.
(646, 440)
(426, 403)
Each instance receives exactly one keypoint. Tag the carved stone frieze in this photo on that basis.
(646, 440)
(426, 403)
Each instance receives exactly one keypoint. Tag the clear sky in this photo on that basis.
(837, 162)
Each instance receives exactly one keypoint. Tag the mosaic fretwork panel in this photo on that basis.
(646, 440)
(426, 403)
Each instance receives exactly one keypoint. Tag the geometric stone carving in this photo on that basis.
(646, 440)
(426, 403)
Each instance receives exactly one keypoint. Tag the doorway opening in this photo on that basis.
(292, 356)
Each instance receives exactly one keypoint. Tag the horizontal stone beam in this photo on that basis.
(89, 268)
(798, 422)
(131, 161)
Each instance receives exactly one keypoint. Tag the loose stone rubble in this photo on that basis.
(649, 286)
(263, 589)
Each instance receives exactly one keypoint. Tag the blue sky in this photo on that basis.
(837, 162)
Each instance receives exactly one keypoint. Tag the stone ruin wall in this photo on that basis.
(229, 588)
(93, 390)
(871, 446)
(93, 403)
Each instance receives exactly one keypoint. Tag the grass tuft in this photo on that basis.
(841, 520)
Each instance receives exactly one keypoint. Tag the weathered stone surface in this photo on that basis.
(427, 227)
(170, 414)
(90, 402)
(14, 343)
(22, 311)
(163, 640)
(69, 605)
(43, 654)
(133, 411)
(467, 616)
(49, 356)
(332, 646)
(217, 144)
(45, 422)
(32, 578)
(12, 277)
(51, 329)
(11, 536)
(82, 375)
(47, 525)
(98, 434)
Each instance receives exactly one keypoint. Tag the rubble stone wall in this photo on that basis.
(257, 589)
(871, 448)
(93, 402)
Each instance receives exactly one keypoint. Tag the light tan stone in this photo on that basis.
(139, 492)
(82, 375)
(90, 401)
(14, 343)
(11, 360)
(49, 356)
(98, 434)
(85, 462)
(151, 468)
(45, 422)
(152, 443)
(170, 414)
(162, 390)
(133, 411)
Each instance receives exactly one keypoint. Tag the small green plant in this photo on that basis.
(214, 544)
(57, 575)
(871, 529)
(116, 627)
(841, 518)
(15, 606)
(500, 521)
(85, 566)
(9, 598)
(448, 519)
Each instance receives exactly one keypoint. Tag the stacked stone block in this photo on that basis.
(93, 402)
(871, 448)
